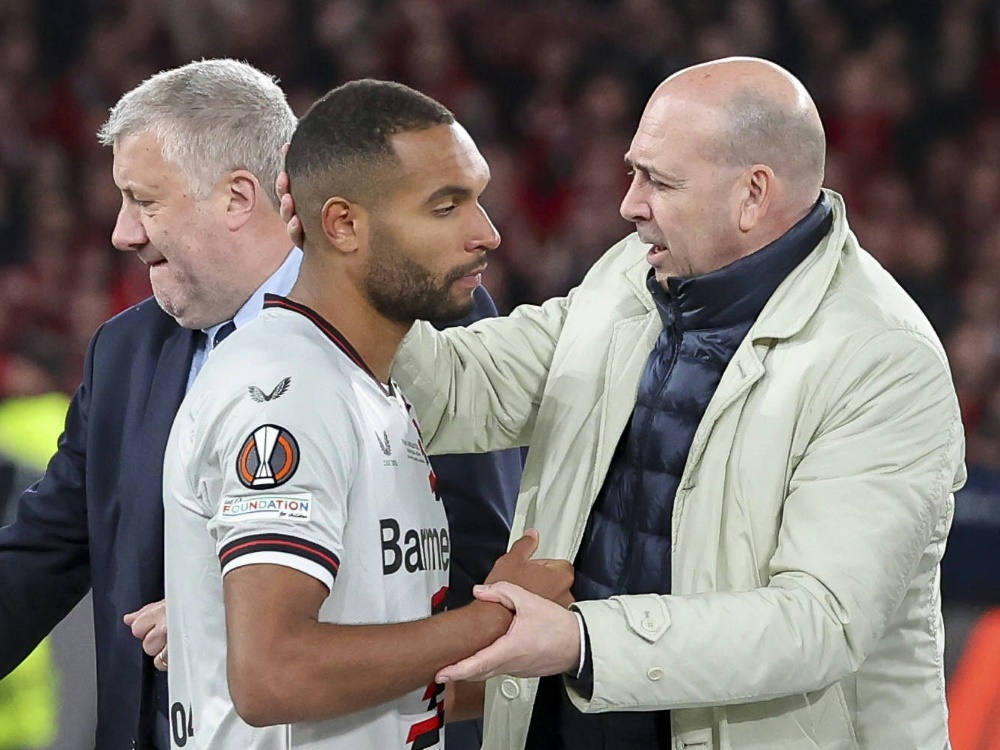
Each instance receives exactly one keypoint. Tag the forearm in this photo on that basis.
(327, 670)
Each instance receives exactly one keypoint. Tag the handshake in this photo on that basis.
(544, 636)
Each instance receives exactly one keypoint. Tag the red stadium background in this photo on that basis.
(909, 92)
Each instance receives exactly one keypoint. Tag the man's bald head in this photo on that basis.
(757, 113)
(728, 156)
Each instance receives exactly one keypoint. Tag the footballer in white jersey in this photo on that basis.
(289, 451)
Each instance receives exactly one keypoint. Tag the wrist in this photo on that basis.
(492, 617)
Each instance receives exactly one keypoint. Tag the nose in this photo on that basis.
(634, 207)
(486, 236)
(129, 233)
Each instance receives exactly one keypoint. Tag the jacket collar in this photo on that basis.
(795, 300)
(798, 297)
(735, 294)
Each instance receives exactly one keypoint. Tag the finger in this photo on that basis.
(478, 667)
(281, 184)
(467, 669)
(287, 207)
(557, 566)
(155, 641)
(496, 592)
(284, 150)
(525, 546)
(160, 660)
(142, 624)
(131, 617)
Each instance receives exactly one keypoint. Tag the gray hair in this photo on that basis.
(756, 129)
(210, 117)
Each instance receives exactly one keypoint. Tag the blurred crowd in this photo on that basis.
(909, 92)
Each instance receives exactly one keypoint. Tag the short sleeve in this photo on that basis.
(285, 454)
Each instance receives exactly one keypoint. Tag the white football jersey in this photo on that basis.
(287, 450)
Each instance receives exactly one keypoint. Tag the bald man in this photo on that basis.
(743, 433)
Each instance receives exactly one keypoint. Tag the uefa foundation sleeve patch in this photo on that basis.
(267, 508)
(268, 458)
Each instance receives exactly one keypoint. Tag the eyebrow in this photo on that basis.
(449, 191)
(654, 172)
(130, 188)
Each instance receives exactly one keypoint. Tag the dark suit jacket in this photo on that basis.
(95, 520)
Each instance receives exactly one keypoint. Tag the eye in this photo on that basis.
(445, 210)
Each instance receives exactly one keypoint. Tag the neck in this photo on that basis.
(268, 247)
(375, 337)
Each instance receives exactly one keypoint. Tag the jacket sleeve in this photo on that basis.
(478, 491)
(477, 389)
(870, 495)
(45, 552)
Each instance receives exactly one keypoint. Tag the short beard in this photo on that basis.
(403, 291)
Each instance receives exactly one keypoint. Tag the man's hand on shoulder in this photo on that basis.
(282, 186)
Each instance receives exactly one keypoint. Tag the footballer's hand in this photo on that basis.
(149, 625)
(550, 579)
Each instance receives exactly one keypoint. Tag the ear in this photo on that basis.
(345, 224)
(242, 193)
(757, 196)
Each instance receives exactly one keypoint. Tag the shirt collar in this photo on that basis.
(279, 282)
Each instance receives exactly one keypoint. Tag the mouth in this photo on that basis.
(655, 251)
(474, 278)
(154, 262)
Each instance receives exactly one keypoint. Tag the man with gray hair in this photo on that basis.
(196, 150)
(196, 153)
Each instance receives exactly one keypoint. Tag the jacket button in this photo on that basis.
(509, 688)
(654, 674)
(648, 625)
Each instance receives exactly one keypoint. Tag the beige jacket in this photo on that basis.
(808, 524)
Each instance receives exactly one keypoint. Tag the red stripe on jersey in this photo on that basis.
(271, 541)
(437, 601)
(341, 342)
(427, 725)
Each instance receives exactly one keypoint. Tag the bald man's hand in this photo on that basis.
(287, 207)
